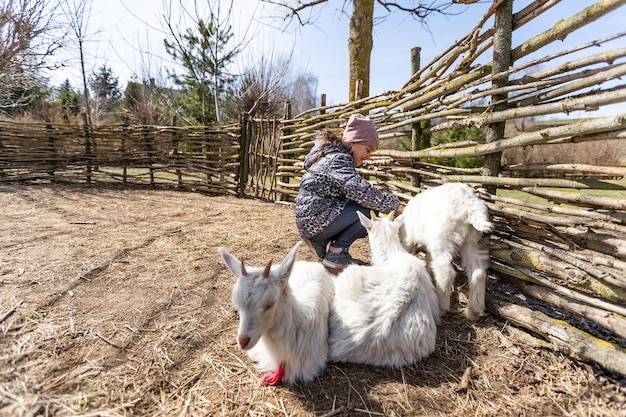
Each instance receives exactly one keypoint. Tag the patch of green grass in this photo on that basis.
(604, 191)
(520, 195)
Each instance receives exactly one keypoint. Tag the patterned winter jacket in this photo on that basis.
(328, 185)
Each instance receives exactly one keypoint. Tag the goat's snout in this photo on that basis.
(243, 341)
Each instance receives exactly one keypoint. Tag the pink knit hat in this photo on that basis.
(360, 130)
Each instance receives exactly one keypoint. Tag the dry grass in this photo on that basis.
(114, 302)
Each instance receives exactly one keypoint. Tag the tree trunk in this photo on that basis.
(360, 46)
(501, 63)
(84, 75)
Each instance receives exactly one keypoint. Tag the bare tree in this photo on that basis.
(303, 92)
(77, 13)
(360, 41)
(29, 34)
(269, 82)
(146, 102)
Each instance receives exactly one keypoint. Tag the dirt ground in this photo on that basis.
(115, 302)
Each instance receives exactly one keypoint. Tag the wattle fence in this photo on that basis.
(558, 252)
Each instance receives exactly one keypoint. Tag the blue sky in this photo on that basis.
(121, 29)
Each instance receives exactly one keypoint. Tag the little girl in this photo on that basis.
(332, 191)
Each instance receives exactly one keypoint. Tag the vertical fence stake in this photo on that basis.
(286, 116)
(416, 128)
(243, 154)
(124, 156)
(175, 153)
(53, 157)
(87, 138)
(503, 27)
(150, 150)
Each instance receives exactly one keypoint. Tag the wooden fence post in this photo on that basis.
(88, 154)
(416, 128)
(123, 150)
(53, 157)
(286, 116)
(244, 144)
(176, 153)
(503, 28)
(148, 148)
(323, 103)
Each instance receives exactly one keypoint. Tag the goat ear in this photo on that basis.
(285, 267)
(231, 262)
(243, 268)
(399, 219)
(367, 223)
(267, 270)
(372, 215)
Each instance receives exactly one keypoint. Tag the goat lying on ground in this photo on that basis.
(447, 220)
(283, 316)
(384, 314)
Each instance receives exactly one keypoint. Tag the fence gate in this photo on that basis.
(261, 141)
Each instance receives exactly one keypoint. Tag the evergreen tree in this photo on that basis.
(204, 55)
(68, 100)
(104, 84)
(461, 134)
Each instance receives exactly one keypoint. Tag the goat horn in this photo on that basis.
(243, 268)
(390, 215)
(266, 271)
(373, 215)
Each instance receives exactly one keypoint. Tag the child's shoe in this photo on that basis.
(339, 260)
(318, 248)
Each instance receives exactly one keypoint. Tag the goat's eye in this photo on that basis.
(267, 307)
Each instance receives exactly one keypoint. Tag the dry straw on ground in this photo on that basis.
(114, 302)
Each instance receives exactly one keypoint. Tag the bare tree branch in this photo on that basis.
(77, 13)
(419, 12)
(29, 34)
(361, 18)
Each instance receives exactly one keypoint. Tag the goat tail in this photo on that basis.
(479, 217)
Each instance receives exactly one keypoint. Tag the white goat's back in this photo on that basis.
(385, 314)
(445, 221)
(283, 312)
(448, 210)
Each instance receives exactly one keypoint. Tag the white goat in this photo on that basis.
(445, 221)
(384, 314)
(283, 316)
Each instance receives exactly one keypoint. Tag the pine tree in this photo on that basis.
(104, 85)
(204, 54)
(68, 100)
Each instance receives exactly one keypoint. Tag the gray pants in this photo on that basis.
(346, 228)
